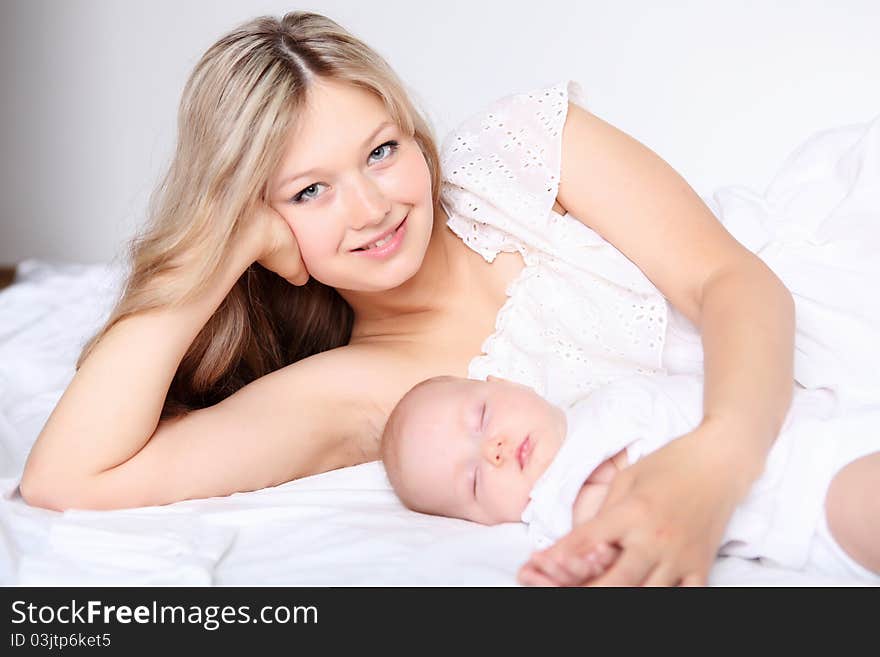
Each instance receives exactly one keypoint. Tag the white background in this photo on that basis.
(723, 91)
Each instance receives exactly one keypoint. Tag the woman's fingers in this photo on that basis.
(631, 568)
(605, 555)
(662, 575)
(529, 575)
(555, 570)
(573, 571)
(278, 249)
(694, 579)
(584, 553)
(613, 549)
(605, 529)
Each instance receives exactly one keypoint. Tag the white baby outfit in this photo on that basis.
(781, 520)
(581, 315)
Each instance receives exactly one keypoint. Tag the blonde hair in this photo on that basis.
(237, 107)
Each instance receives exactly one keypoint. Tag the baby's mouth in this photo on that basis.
(523, 452)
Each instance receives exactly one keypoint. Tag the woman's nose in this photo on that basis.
(370, 206)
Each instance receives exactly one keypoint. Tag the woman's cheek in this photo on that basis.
(411, 176)
(315, 246)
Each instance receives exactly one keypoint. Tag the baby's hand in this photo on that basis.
(594, 491)
(549, 567)
(543, 569)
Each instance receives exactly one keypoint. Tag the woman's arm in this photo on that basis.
(103, 445)
(637, 202)
(668, 511)
(747, 326)
(111, 408)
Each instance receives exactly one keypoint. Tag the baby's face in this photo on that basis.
(474, 450)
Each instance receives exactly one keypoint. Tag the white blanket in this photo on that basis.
(343, 527)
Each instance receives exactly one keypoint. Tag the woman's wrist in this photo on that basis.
(733, 450)
(247, 245)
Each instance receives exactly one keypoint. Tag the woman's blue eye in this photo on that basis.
(382, 152)
(308, 193)
(391, 147)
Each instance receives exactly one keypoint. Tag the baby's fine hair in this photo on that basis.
(392, 435)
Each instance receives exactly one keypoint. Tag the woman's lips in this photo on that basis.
(523, 452)
(395, 231)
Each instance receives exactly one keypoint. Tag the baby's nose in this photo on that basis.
(493, 451)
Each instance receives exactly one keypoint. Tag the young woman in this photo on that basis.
(301, 272)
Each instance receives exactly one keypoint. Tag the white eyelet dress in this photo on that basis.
(581, 314)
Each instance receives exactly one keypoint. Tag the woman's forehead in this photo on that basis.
(338, 108)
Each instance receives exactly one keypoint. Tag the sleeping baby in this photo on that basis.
(495, 451)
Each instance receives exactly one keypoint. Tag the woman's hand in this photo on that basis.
(660, 525)
(274, 245)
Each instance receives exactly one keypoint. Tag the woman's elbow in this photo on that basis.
(40, 492)
(56, 493)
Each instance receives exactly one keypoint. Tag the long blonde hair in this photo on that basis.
(238, 105)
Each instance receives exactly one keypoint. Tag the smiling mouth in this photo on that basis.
(383, 239)
(523, 451)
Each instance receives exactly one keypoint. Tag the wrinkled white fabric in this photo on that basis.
(135, 547)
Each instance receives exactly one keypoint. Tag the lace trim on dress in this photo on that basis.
(579, 313)
(480, 365)
(501, 171)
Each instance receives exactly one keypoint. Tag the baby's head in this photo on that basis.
(470, 449)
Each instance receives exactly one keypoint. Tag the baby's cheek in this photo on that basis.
(519, 501)
(505, 496)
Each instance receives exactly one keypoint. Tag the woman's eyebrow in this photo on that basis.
(310, 172)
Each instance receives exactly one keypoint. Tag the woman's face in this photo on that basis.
(350, 178)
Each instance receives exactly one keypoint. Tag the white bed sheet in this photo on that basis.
(341, 528)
